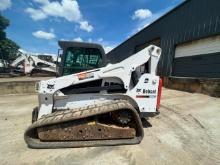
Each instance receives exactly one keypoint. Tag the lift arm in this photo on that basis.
(18, 60)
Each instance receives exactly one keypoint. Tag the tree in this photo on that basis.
(4, 23)
(8, 48)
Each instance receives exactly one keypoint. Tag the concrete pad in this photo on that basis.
(187, 131)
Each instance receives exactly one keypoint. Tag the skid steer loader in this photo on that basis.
(97, 107)
(30, 64)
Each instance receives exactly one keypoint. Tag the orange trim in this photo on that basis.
(82, 76)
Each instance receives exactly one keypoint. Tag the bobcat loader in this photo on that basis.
(30, 64)
(103, 106)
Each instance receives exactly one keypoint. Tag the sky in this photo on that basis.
(37, 25)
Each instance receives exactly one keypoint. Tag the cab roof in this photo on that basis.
(66, 44)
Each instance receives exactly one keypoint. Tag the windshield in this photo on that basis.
(81, 59)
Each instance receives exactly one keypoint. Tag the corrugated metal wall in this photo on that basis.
(193, 19)
(207, 66)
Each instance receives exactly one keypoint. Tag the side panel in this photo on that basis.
(143, 96)
(145, 93)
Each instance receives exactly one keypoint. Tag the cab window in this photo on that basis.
(81, 59)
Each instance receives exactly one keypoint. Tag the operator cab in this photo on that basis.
(79, 56)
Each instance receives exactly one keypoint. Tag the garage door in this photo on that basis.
(200, 58)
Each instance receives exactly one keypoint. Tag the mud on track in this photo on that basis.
(187, 131)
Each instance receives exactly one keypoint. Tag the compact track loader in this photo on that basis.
(30, 64)
(98, 107)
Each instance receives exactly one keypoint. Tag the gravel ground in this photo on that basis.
(187, 131)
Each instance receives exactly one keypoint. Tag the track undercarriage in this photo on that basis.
(94, 125)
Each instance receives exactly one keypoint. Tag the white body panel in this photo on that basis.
(142, 95)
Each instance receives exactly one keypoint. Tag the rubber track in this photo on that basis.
(30, 135)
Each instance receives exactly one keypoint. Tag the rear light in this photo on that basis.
(159, 93)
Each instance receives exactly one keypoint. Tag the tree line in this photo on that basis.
(8, 48)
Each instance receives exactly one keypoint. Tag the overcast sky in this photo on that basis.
(37, 25)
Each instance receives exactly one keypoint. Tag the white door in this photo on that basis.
(199, 58)
(199, 47)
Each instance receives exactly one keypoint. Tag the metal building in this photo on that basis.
(189, 36)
